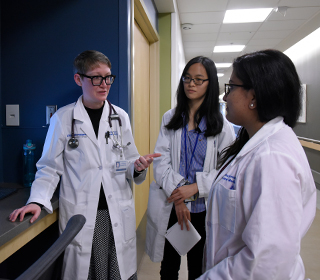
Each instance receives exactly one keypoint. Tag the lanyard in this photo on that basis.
(186, 151)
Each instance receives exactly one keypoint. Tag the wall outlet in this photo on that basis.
(12, 115)
(50, 110)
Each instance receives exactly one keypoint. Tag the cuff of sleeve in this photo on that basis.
(181, 183)
(138, 173)
(40, 205)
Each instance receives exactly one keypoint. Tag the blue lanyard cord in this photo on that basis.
(186, 151)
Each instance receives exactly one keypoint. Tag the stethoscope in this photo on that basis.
(74, 143)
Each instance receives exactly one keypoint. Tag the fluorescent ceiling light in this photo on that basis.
(229, 48)
(223, 65)
(220, 74)
(246, 15)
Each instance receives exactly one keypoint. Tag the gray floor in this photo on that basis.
(310, 253)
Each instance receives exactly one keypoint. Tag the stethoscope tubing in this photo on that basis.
(74, 143)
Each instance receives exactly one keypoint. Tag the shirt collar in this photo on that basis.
(202, 125)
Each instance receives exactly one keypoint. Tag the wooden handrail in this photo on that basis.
(310, 143)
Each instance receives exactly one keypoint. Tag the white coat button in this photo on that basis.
(116, 224)
(110, 196)
(100, 167)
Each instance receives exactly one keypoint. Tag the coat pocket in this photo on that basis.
(128, 218)
(158, 214)
(66, 211)
(225, 204)
(158, 208)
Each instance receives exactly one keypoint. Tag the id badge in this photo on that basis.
(121, 166)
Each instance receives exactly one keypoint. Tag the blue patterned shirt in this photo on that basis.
(197, 162)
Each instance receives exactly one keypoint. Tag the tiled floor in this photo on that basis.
(310, 252)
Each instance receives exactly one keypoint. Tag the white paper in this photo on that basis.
(182, 240)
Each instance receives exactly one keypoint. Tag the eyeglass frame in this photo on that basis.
(203, 80)
(102, 78)
(228, 85)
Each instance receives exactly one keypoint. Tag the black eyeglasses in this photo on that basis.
(229, 87)
(197, 81)
(97, 80)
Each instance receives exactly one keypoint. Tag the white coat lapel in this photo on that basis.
(176, 148)
(104, 125)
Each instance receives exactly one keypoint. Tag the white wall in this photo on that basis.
(306, 56)
(177, 54)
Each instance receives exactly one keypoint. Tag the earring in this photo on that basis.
(251, 105)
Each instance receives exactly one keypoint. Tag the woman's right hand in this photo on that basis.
(183, 214)
(30, 208)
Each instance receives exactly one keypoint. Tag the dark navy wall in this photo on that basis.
(1, 166)
(39, 40)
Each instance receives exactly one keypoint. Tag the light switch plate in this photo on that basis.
(50, 110)
(12, 115)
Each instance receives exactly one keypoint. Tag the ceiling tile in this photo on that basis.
(198, 49)
(234, 42)
(202, 44)
(232, 36)
(281, 25)
(280, 34)
(223, 57)
(202, 18)
(202, 28)
(191, 55)
(299, 3)
(264, 41)
(209, 31)
(250, 4)
(252, 48)
(295, 13)
(190, 6)
(239, 27)
(196, 37)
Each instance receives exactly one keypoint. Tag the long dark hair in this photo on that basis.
(210, 105)
(275, 81)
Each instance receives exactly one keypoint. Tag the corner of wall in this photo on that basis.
(165, 62)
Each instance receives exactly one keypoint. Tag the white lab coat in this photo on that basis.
(166, 174)
(82, 171)
(259, 208)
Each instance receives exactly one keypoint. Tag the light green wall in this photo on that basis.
(165, 62)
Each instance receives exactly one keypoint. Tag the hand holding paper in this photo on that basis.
(182, 240)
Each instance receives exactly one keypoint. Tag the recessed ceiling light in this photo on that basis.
(223, 65)
(220, 74)
(246, 15)
(229, 48)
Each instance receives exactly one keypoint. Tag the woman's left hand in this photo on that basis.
(180, 194)
(143, 162)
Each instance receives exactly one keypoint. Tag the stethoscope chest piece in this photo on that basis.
(73, 143)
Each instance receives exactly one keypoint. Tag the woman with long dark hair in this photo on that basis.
(190, 138)
(263, 200)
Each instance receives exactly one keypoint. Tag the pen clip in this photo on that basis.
(107, 136)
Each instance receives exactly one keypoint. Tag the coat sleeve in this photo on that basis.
(223, 139)
(274, 222)
(163, 171)
(131, 152)
(50, 166)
